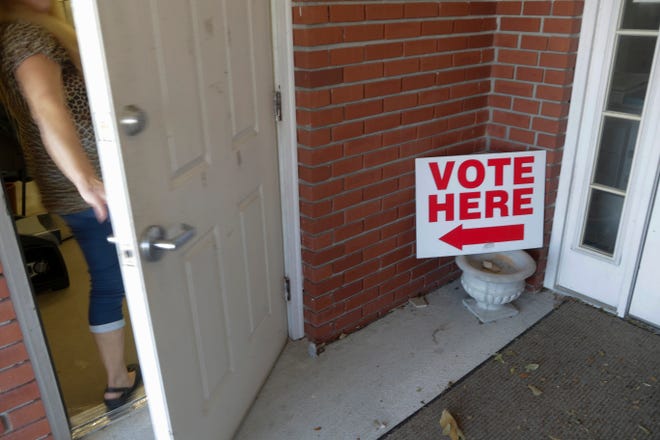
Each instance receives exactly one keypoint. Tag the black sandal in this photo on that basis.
(126, 392)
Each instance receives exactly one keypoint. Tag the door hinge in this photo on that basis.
(287, 288)
(277, 103)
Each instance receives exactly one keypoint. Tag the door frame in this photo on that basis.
(16, 276)
(287, 138)
(589, 44)
(22, 298)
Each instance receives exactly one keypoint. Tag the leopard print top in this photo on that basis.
(18, 41)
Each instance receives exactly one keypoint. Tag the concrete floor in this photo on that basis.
(364, 385)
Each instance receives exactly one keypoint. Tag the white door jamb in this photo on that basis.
(288, 161)
(587, 35)
(26, 314)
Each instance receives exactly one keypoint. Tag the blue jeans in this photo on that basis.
(107, 289)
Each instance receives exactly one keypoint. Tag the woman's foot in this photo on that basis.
(129, 383)
(116, 396)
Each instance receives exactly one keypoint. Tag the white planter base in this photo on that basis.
(490, 315)
(492, 291)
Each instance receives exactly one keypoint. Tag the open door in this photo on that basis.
(181, 93)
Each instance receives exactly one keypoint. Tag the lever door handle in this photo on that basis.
(153, 242)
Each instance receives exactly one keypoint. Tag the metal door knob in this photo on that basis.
(133, 120)
(153, 242)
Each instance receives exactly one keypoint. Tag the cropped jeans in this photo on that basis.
(107, 288)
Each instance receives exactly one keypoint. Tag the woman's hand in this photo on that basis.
(93, 192)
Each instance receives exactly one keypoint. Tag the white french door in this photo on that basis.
(604, 201)
(645, 302)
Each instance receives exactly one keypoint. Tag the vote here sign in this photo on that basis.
(479, 203)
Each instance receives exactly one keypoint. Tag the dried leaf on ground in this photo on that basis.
(450, 427)
(499, 358)
(512, 370)
(318, 428)
(531, 367)
(646, 431)
(535, 390)
(553, 438)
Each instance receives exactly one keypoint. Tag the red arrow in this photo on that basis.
(459, 237)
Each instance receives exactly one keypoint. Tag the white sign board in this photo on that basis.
(479, 203)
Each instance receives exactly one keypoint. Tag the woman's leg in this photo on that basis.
(106, 296)
(111, 349)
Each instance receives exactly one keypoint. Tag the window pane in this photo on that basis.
(630, 77)
(615, 155)
(603, 221)
(641, 15)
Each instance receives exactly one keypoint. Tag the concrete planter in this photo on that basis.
(493, 280)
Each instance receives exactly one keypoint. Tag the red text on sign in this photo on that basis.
(480, 204)
(472, 172)
(469, 203)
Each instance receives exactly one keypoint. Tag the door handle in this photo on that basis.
(133, 119)
(153, 242)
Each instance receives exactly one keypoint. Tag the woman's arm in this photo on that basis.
(40, 79)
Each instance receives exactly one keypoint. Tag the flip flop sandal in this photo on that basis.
(126, 392)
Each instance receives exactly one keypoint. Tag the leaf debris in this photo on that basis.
(646, 431)
(450, 426)
(535, 390)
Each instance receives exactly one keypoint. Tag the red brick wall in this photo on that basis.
(536, 50)
(380, 83)
(22, 414)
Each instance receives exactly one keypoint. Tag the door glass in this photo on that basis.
(638, 15)
(630, 77)
(630, 73)
(603, 221)
(616, 152)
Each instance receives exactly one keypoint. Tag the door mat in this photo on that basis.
(579, 373)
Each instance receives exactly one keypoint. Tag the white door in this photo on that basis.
(645, 303)
(616, 160)
(209, 317)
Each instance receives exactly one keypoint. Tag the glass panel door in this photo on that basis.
(636, 38)
(612, 148)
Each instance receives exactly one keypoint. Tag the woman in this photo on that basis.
(42, 87)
